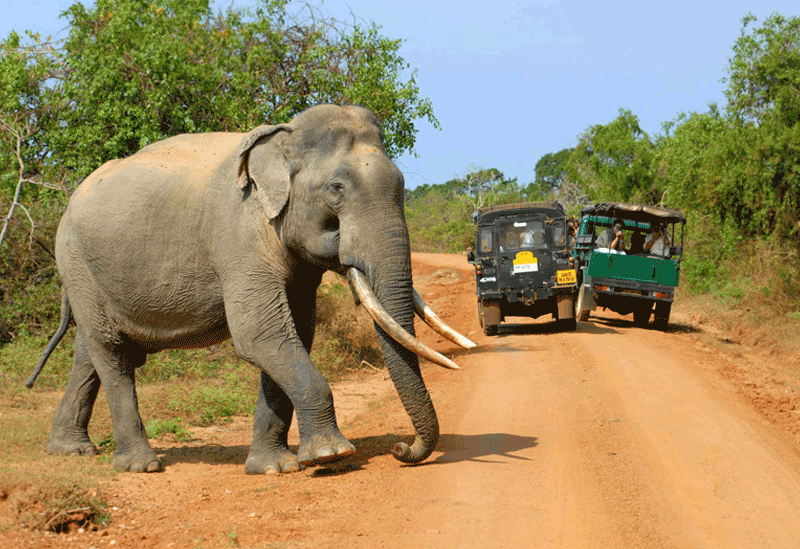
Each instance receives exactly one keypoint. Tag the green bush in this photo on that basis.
(172, 426)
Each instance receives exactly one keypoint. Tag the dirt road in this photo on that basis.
(612, 436)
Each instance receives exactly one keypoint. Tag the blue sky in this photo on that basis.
(511, 81)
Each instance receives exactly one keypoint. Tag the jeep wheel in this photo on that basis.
(490, 317)
(583, 315)
(641, 315)
(564, 315)
(567, 324)
(663, 309)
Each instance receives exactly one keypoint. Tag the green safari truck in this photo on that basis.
(628, 258)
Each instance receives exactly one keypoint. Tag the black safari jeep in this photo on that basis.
(641, 277)
(523, 265)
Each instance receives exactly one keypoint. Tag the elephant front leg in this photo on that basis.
(266, 336)
(70, 433)
(269, 451)
(289, 383)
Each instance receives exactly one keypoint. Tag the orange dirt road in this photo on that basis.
(609, 437)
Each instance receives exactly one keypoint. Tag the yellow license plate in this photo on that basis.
(566, 277)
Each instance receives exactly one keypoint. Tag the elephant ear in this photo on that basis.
(263, 165)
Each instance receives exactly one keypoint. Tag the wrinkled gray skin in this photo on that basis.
(199, 238)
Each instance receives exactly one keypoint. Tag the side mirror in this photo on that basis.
(470, 257)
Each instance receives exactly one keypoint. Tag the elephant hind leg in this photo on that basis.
(70, 433)
(116, 365)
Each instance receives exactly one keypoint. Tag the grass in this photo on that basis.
(59, 505)
(174, 426)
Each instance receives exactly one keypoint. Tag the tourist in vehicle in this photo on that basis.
(637, 243)
(657, 242)
(612, 238)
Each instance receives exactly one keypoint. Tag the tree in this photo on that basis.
(137, 71)
(551, 169)
(440, 216)
(24, 72)
(764, 105)
(478, 187)
(131, 72)
(764, 72)
(615, 161)
(742, 167)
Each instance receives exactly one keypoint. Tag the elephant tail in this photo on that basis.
(66, 314)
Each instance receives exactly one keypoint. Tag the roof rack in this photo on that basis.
(634, 211)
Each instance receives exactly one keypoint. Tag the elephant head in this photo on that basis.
(336, 201)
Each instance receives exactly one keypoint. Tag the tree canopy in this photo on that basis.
(131, 72)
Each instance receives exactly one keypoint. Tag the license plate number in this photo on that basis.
(566, 277)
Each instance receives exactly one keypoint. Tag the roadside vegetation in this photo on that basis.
(734, 171)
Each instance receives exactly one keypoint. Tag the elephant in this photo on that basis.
(203, 237)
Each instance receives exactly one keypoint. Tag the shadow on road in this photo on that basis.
(210, 454)
(672, 327)
(599, 326)
(511, 328)
(457, 448)
(481, 447)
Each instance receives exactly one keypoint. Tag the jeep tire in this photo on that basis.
(490, 316)
(580, 313)
(641, 314)
(663, 309)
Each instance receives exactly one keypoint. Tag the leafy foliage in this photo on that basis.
(552, 169)
(615, 161)
(440, 216)
(138, 71)
(131, 72)
(735, 172)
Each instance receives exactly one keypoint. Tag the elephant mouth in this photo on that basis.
(364, 295)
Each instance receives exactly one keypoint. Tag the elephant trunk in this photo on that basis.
(392, 284)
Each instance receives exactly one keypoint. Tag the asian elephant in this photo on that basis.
(200, 238)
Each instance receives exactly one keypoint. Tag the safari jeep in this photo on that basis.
(638, 279)
(523, 265)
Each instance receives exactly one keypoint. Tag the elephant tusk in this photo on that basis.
(367, 297)
(438, 325)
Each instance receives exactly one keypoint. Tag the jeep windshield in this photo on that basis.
(522, 235)
(531, 235)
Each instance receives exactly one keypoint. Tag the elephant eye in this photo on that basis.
(334, 193)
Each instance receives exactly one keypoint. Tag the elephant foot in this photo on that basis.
(138, 462)
(271, 463)
(324, 449)
(75, 443)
